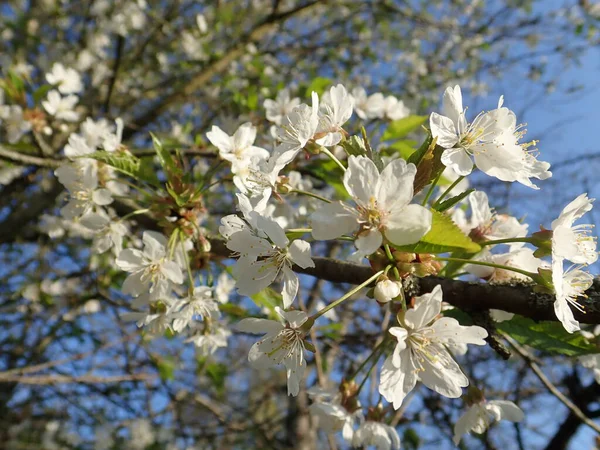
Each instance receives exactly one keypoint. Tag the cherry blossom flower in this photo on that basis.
(380, 435)
(261, 237)
(68, 80)
(208, 337)
(517, 257)
(568, 285)
(282, 344)
(109, 233)
(296, 129)
(199, 304)
(382, 207)
(237, 149)
(463, 140)
(485, 224)
(62, 108)
(395, 109)
(421, 353)
(574, 243)
(336, 110)
(330, 414)
(150, 270)
(592, 362)
(11, 116)
(368, 106)
(283, 105)
(387, 290)
(479, 417)
(84, 194)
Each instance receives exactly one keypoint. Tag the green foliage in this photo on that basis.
(166, 368)
(449, 203)
(443, 237)
(549, 337)
(217, 373)
(127, 164)
(354, 145)
(328, 171)
(405, 148)
(318, 85)
(411, 439)
(268, 298)
(402, 127)
(41, 92)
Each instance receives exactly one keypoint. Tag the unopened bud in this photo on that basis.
(387, 290)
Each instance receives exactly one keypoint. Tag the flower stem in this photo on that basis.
(346, 296)
(431, 188)
(332, 157)
(311, 194)
(133, 213)
(187, 264)
(298, 230)
(378, 350)
(364, 363)
(533, 276)
(507, 241)
(447, 191)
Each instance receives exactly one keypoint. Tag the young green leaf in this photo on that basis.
(550, 337)
(443, 237)
(400, 128)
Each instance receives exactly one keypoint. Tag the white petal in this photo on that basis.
(368, 243)
(427, 307)
(444, 129)
(458, 160)
(565, 315)
(361, 178)
(258, 326)
(299, 252)
(447, 329)
(395, 185)
(331, 221)
(409, 225)
(130, 260)
(172, 271)
(290, 287)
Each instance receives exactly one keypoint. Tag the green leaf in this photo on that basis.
(403, 148)
(166, 369)
(449, 203)
(127, 164)
(318, 85)
(329, 172)
(41, 92)
(269, 299)
(354, 146)
(549, 337)
(400, 128)
(418, 156)
(166, 159)
(217, 372)
(443, 237)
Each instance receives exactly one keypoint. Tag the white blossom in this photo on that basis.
(151, 271)
(256, 237)
(62, 108)
(421, 353)
(382, 207)
(237, 149)
(479, 417)
(199, 304)
(68, 80)
(395, 109)
(368, 107)
(568, 285)
(387, 290)
(574, 243)
(282, 344)
(283, 105)
(377, 434)
(296, 129)
(478, 139)
(334, 112)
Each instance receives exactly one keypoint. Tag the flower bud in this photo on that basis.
(387, 290)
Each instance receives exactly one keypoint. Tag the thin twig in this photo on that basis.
(551, 387)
